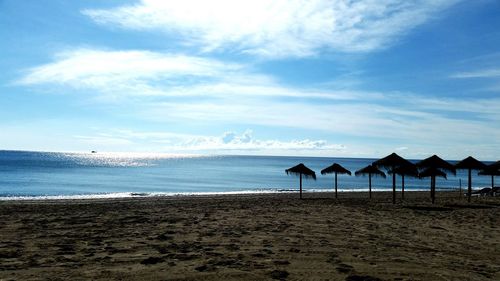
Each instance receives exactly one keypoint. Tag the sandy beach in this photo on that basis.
(252, 237)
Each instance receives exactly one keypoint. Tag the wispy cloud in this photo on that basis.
(100, 69)
(484, 73)
(408, 121)
(481, 70)
(274, 29)
(145, 73)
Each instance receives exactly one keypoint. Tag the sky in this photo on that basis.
(333, 78)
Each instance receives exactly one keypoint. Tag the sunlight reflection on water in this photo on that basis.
(120, 159)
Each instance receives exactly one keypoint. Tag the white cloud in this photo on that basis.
(484, 73)
(246, 141)
(281, 28)
(229, 141)
(108, 70)
(121, 74)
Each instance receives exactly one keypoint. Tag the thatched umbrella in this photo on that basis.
(337, 169)
(491, 170)
(470, 163)
(391, 162)
(300, 170)
(432, 166)
(436, 162)
(408, 170)
(432, 173)
(370, 170)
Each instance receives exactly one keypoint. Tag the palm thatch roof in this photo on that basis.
(407, 170)
(495, 165)
(435, 162)
(391, 161)
(301, 169)
(335, 168)
(491, 170)
(370, 169)
(432, 172)
(470, 163)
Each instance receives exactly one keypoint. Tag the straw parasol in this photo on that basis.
(434, 167)
(370, 170)
(436, 162)
(470, 163)
(336, 169)
(491, 170)
(391, 162)
(408, 170)
(300, 170)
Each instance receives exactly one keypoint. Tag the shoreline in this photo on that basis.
(125, 195)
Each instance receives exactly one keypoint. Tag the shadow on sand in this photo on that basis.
(429, 208)
(470, 206)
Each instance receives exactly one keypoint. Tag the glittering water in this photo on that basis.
(41, 174)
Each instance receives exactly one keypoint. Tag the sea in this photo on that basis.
(56, 175)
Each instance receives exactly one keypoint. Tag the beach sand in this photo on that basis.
(252, 237)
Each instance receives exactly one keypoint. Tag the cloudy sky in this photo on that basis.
(289, 77)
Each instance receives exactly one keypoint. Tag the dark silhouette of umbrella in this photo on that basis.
(408, 170)
(434, 167)
(470, 163)
(300, 170)
(391, 162)
(336, 169)
(370, 170)
(491, 170)
(436, 162)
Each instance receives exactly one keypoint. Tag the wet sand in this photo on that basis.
(252, 237)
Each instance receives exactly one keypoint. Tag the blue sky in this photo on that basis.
(317, 78)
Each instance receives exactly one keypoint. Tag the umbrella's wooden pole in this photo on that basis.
(460, 188)
(469, 189)
(393, 186)
(370, 184)
(300, 186)
(403, 187)
(336, 185)
(433, 187)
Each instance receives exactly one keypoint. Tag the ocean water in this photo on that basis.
(62, 175)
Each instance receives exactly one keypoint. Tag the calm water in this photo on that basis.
(43, 174)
